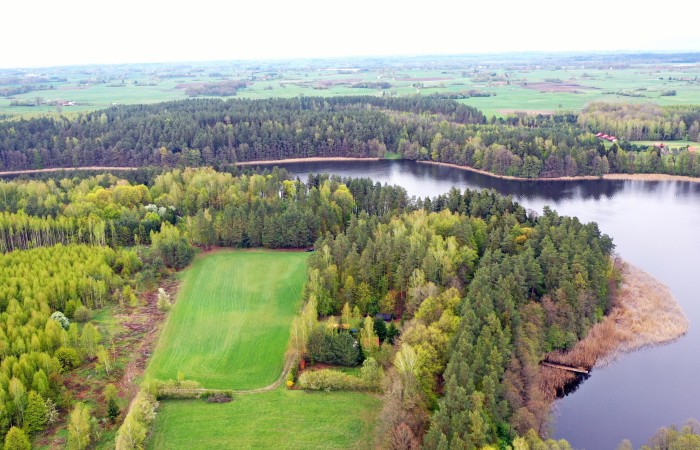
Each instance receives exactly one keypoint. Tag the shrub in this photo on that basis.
(82, 314)
(330, 380)
(372, 374)
(163, 303)
(177, 389)
(218, 397)
(62, 320)
(68, 357)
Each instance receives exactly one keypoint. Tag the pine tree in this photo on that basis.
(36, 414)
(16, 439)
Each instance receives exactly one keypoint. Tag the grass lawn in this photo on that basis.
(671, 144)
(230, 325)
(276, 419)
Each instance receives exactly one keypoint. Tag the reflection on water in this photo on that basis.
(654, 226)
(573, 385)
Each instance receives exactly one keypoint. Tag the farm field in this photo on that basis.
(230, 325)
(531, 87)
(276, 419)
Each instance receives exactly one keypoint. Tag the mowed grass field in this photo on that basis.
(672, 144)
(230, 325)
(279, 419)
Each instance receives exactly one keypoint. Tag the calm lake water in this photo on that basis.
(655, 226)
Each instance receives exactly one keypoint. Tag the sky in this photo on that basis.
(51, 32)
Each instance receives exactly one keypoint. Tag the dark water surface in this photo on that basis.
(655, 226)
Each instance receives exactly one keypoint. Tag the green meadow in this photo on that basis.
(230, 325)
(275, 419)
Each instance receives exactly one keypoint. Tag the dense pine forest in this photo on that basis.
(483, 289)
(210, 132)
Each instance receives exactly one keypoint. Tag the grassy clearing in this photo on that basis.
(276, 419)
(230, 325)
(671, 144)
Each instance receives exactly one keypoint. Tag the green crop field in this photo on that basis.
(527, 87)
(230, 325)
(276, 419)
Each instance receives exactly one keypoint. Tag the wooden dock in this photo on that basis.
(580, 370)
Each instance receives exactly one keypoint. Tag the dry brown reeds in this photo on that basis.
(644, 313)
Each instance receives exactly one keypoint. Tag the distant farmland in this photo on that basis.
(501, 89)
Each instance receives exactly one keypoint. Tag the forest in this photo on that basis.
(210, 132)
(483, 290)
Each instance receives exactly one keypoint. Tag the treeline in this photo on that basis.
(214, 208)
(208, 131)
(216, 89)
(641, 122)
(427, 128)
(488, 291)
(546, 148)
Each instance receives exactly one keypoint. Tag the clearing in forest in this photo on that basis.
(230, 325)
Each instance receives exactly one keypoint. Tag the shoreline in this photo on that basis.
(608, 176)
(310, 159)
(66, 169)
(644, 314)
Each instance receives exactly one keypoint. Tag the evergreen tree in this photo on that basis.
(36, 415)
(16, 439)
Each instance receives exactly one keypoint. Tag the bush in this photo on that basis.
(62, 320)
(330, 380)
(372, 374)
(82, 314)
(217, 397)
(68, 357)
(163, 303)
(178, 389)
(370, 379)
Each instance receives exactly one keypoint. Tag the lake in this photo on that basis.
(654, 226)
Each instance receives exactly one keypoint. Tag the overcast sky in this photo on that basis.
(62, 32)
